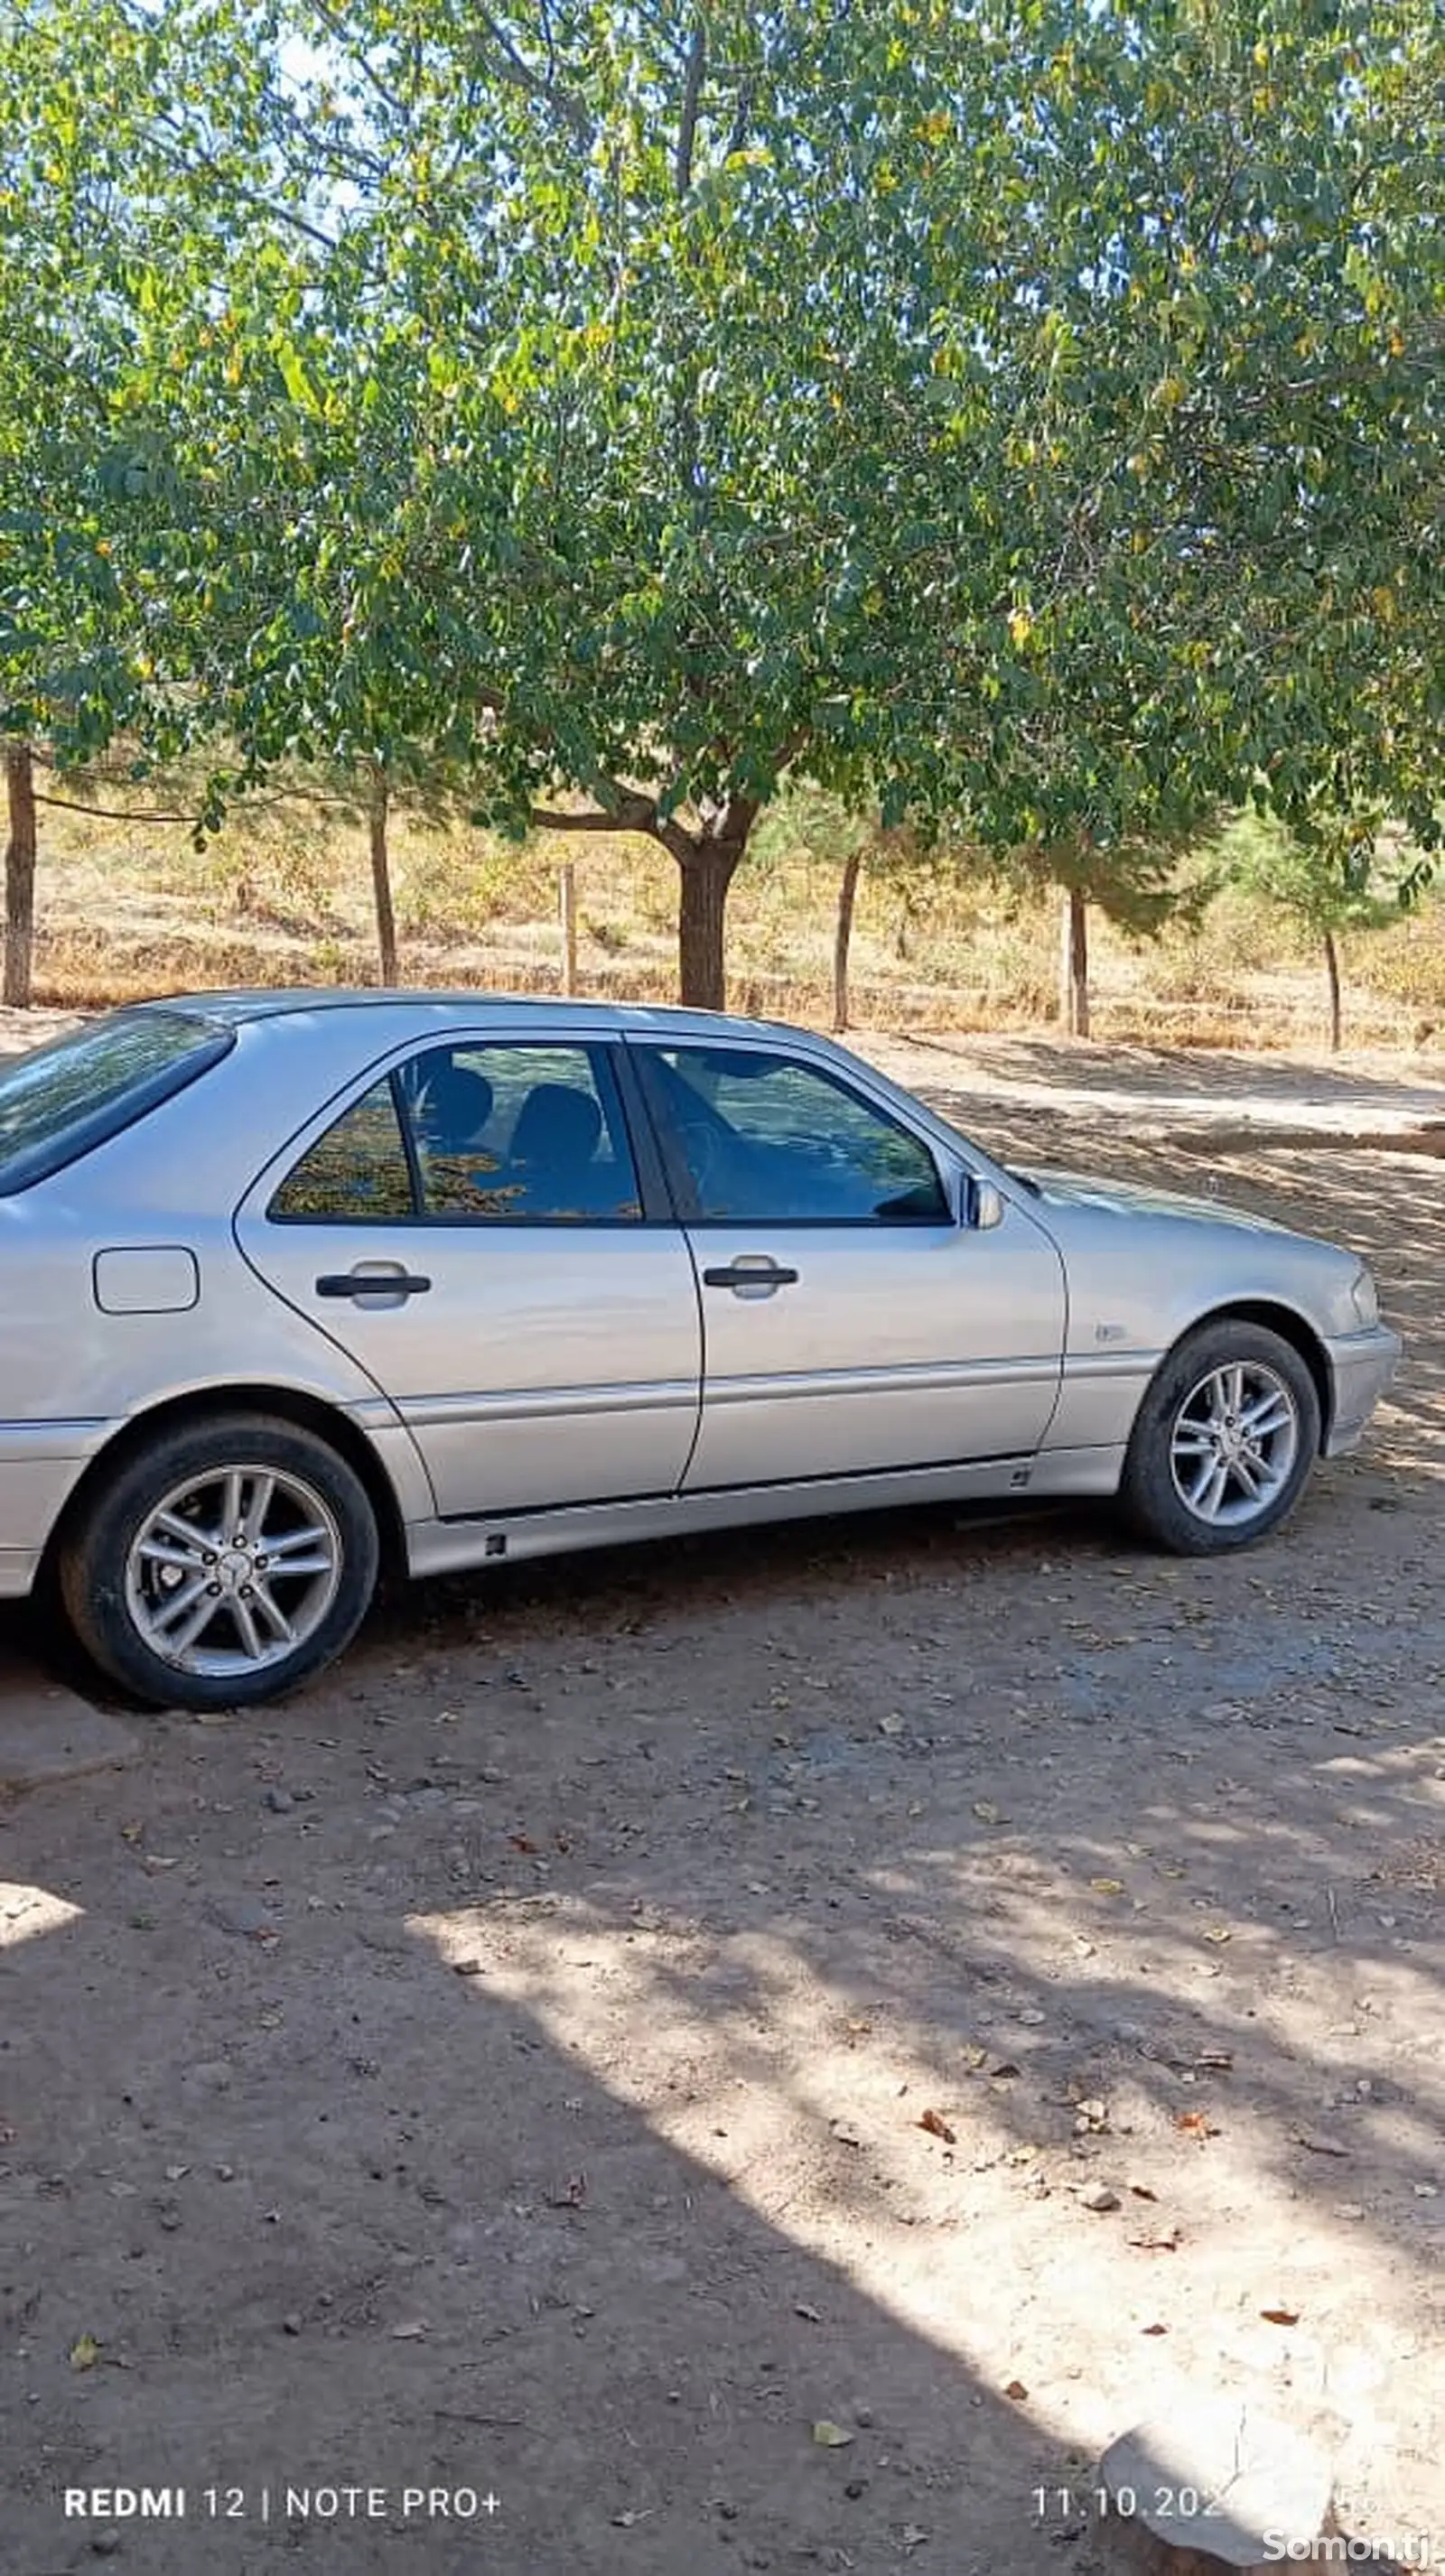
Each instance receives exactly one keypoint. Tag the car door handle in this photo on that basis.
(751, 1274)
(372, 1283)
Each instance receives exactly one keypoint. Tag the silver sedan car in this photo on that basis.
(308, 1284)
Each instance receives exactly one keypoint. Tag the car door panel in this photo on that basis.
(535, 1364)
(894, 1347)
(834, 1349)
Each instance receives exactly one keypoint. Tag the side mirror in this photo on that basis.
(982, 1204)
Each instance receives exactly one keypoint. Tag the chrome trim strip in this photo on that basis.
(1110, 1363)
(21, 1441)
(927, 1377)
(546, 1403)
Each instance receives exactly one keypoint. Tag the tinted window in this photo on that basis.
(61, 1101)
(762, 1136)
(526, 1134)
(356, 1173)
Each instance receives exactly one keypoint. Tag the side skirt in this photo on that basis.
(446, 1547)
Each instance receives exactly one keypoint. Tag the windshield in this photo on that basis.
(60, 1101)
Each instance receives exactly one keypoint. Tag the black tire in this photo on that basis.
(1149, 1494)
(97, 1553)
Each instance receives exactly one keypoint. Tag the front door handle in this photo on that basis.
(372, 1283)
(755, 1275)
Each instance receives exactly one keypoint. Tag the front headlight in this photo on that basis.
(1365, 1298)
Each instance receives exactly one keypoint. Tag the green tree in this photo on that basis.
(1022, 415)
(1328, 871)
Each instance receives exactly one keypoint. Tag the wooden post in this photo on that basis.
(1332, 969)
(1074, 965)
(377, 816)
(567, 897)
(843, 935)
(19, 874)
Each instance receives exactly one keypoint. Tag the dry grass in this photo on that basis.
(282, 896)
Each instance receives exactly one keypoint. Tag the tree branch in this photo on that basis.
(338, 28)
(691, 108)
(115, 813)
(514, 67)
(632, 813)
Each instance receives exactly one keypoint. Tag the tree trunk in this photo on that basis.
(708, 867)
(567, 904)
(842, 937)
(377, 816)
(1332, 969)
(19, 874)
(1074, 965)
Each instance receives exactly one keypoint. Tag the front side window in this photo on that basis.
(758, 1137)
(520, 1134)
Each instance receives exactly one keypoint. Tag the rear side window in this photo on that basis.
(356, 1172)
(61, 1101)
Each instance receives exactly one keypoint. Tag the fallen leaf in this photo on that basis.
(913, 2535)
(1016, 2390)
(1320, 2145)
(1280, 2316)
(1107, 1886)
(937, 2127)
(831, 2437)
(1004, 2069)
(1168, 2243)
(846, 2135)
(1154, 2330)
(1195, 2125)
(973, 2056)
(1141, 2191)
(411, 2332)
(1218, 1932)
(84, 2353)
(986, 1811)
(631, 2514)
(890, 1725)
(801, 2309)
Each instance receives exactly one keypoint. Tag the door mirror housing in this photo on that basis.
(982, 1204)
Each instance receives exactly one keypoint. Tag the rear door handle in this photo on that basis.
(372, 1283)
(751, 1276)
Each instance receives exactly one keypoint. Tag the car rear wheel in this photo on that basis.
(222, 1564)
(1224, 1441)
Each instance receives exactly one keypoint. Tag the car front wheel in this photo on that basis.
(222, 1564)
(1224, 1441)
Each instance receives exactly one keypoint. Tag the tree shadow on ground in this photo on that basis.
(1208, 1075)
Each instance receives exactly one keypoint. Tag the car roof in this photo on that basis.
(510, 1010)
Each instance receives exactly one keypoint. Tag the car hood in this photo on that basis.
(1128, 1199)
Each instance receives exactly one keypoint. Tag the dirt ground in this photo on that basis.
(642, 2010)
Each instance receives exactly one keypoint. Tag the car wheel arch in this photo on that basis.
(1273, 1317)
(287, 1404)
